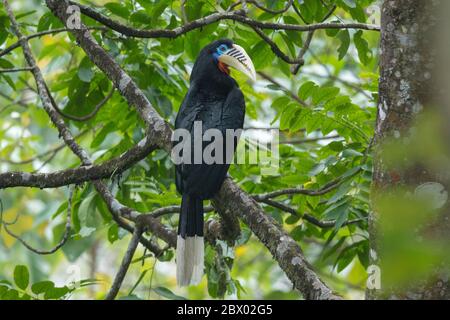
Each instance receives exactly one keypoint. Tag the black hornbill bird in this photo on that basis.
(215, 100)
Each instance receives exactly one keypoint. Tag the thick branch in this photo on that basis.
(283, 248)
(215, 17)
(81, 174)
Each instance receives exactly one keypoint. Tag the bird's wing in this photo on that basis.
(189, 111)
(202, 179)
(233, 111)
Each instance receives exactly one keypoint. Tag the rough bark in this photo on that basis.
(410, 90)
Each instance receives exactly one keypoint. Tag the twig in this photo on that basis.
(280, 11)
(295, 68)
(64, 238)
(85, 117)
(275, 82)
(275, 49)
(308, 140)
(125, 264)
(40, 34)
(52, 151)
(16, 70)
(305, 216)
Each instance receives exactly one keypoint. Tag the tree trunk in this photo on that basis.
(409, 223)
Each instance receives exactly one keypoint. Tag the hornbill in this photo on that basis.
(215, 101)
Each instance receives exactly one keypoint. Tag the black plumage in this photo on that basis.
(214, 98)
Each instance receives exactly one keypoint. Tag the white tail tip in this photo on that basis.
(190, 256)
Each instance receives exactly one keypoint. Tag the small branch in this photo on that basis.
(308, 192)
(148, 221)
(16, 70)
(275, 82)
(85, 117)
(309, 140)
(275, 49)
(63, 240)
(40, 34)
(305, 216)
(125, 264)
(295, 68)
(183, 11)
(261, 7)
(173, 209)
(52, 151)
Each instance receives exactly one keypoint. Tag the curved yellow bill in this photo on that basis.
(237, 58)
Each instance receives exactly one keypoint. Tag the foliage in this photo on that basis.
(338, 84)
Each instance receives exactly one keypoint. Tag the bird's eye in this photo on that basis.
(222, 48)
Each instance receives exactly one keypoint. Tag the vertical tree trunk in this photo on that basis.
(411, 161)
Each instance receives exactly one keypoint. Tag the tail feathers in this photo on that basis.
(190, 256)
(190, 244)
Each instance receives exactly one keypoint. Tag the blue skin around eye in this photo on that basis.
(219, 51)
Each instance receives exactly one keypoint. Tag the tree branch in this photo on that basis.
(306, 216)
(296, 67)
(61, 243)
(16, 70)
(215, 17)
(275, 82)
(81, 174)
(85, 117)
(51, 151)
(280, 11)
(40, 34)
(125, 264)
(283, 248)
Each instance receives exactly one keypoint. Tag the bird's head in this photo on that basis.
(216, 58)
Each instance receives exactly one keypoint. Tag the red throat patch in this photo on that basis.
(223, 67)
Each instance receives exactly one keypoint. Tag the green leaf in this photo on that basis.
(113, 233)
(166, 293)
(23, 15)
(45, 22)
(306, 90)
(344, 37)
(118, 9)
(286, 116)
(56, 292)
(364, 53)
(21, 276)
(324, 94)
(85, 71)
(42, 287)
